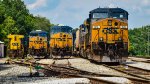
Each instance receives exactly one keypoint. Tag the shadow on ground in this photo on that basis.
(4, 66)
(23, 78)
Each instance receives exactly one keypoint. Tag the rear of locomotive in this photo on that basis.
(107, 34)
(61, 41)
(15, 46)
(38, 45)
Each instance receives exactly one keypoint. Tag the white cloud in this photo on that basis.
(74, 12)
(37, 4)
(146, 2)
(136, 8)
(71, 13)
(112, 6)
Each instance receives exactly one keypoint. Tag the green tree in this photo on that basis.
(139, 41)
(16, 19)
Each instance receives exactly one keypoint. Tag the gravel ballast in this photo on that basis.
(20, 74)
(12, 74)
(86, 65)
(140, 65)
(62, 81)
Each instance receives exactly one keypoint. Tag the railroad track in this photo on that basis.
(137, 59)
(140, 57)
(147, 61)
(133, 71)
(66, 71)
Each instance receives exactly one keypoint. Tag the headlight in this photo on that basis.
(60, 34)
(110, 22)
(123, 26)
(82, 29)
(96, 27)
(120, 39)
(101, 39)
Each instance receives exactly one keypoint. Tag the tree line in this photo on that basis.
(139, 39)
(16, 19)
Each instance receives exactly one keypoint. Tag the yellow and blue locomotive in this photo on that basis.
(15, 46)
(61, 41)
(103, 37)
(38, 44)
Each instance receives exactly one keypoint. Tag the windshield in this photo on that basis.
(39, 34)
(57, 29)
(118, 15)
(100, 15)
(66, 29)
(33, 34)
(109, 15)
(43, 34)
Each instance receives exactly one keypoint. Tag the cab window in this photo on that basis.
(100, 15)
(33, 34)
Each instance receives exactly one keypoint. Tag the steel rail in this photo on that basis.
(140, 61)
(51, 68)
(138, 77)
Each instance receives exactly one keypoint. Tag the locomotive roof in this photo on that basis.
(105, 10)
(38, 32)
(55, 27)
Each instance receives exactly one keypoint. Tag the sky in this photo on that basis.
(74, 12)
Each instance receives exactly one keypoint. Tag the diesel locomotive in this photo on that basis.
(38, 43)
(15, 47)
(61, 41)
(103, 37)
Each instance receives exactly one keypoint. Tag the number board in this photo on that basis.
(110, 31)
(15, 44)
(38, 42)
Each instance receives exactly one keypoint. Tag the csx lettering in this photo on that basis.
(15, 44)
(110, 31)
(38, 42)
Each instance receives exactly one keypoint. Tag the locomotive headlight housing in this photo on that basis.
(101, 39)
(119, 38)
(123, 26)
(109, 22)
(96, 27)
(93, 26)
(60, 34)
